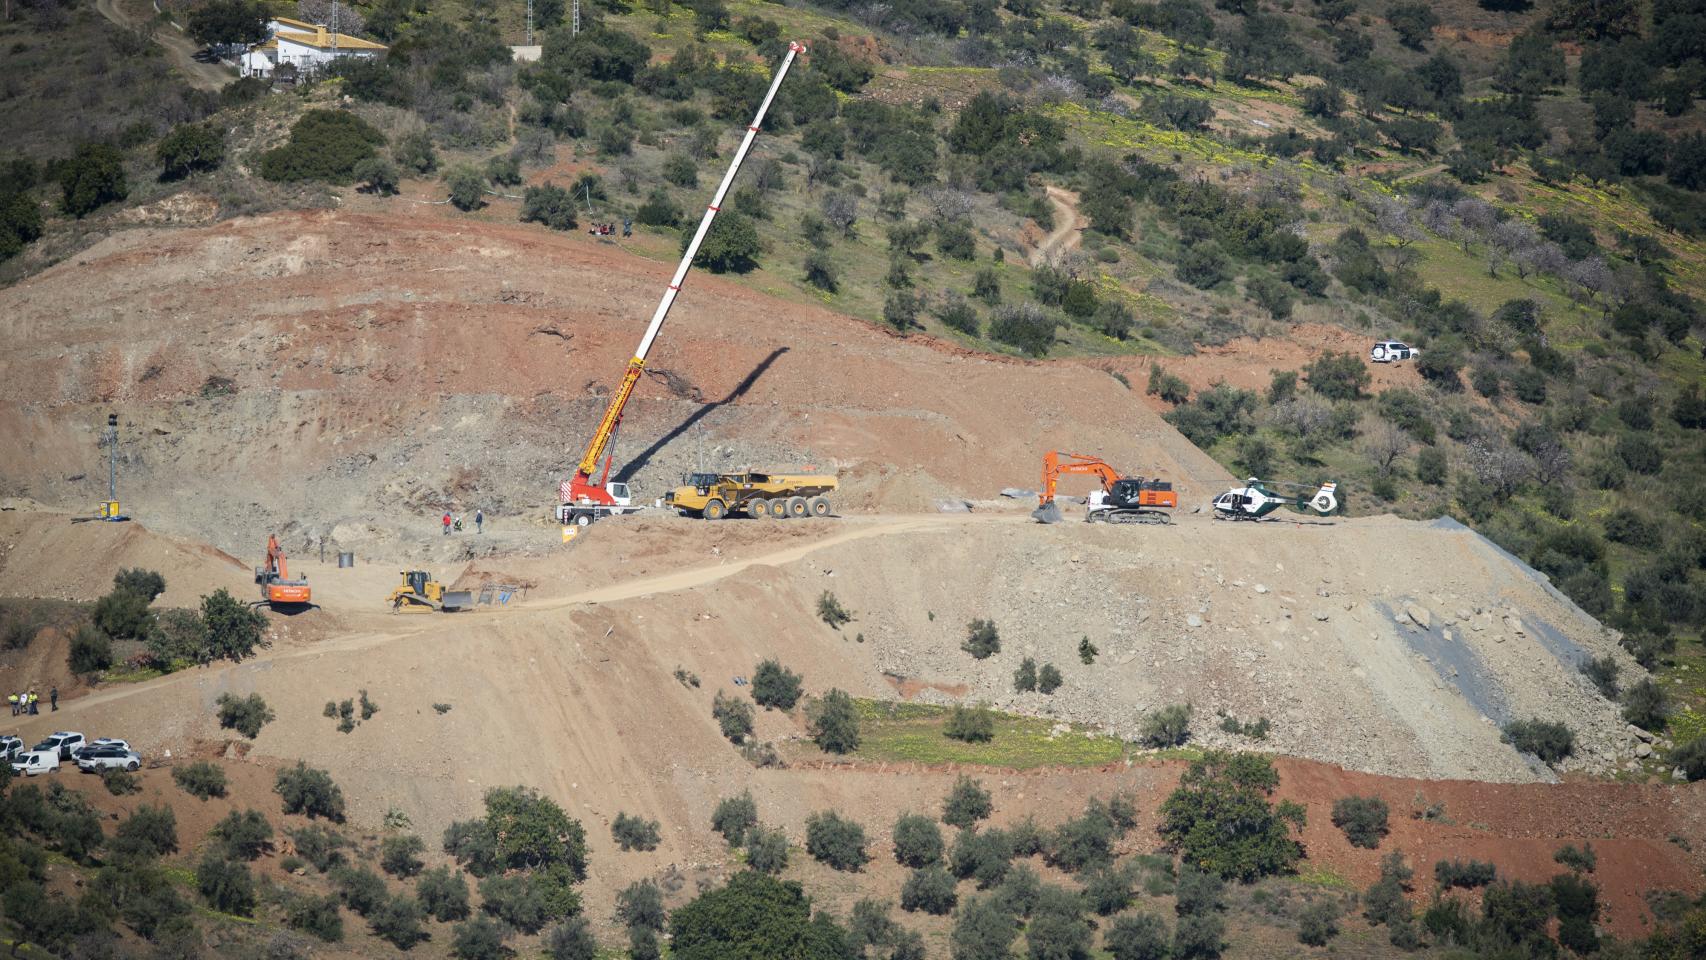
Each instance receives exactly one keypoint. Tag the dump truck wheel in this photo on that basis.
(758, 508)
(818, 507)
(715, 510)
(797, 507)
(779, 508)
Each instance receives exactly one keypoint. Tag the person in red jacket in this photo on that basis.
(446, 525)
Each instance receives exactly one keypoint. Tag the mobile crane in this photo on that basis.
(1121, 499)
(582, 498)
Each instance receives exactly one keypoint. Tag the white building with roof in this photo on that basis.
(305, 46)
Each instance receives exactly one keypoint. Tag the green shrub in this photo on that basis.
(1690, 757)
(321, 846)
(443, 894)
(983, 929)
(834, 723)
(634, 833)
(91, 651)
(1165, 385)
(734, 816)
(1384, 902)
(1049, 679)
(20, 222)
(1169, 726)
(467, 184)
(548, 204)
(190, 148)
(982, 639)
(930, 890)
(1025, 326)
(1645, 705)
(766, 850)
(1318, 924)
(317, 915)
(917, 841)
(775, 686)
(658, 210)
(1576, 901)
(479, 939)
(640, 904)
(967, 803)
(1581, 859)
(246, 715)
(400, 855)
(1363, 819)
(754, 915)
(119, 783)
(201, 779)
(1087, 651)
(92, 178)
(518, 899)
(1602, 673)
(361, 889)
(397, 920)
(1025, 678)
(1551, 742)
(1086, 841)
(309, 792)
(973, 724)
(149, 831)
(1220, 817)
(1337, 376)
(414, 152)
(733, 716)
(836, 841)
(830, 611)
(234, 629)
(732, 245)
(504, 170)
(1137, 936)
(226, 886)
(324, 145)
(571, 940)
(821, 271)
(1467, 874)
(243, 836)
(1109, 890)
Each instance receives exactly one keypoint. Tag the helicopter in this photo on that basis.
(1258, 498)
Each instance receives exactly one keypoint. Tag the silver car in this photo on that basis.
(96, 759)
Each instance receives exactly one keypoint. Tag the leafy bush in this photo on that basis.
(310, 792)
(966, 804)
(732, 245)
(1169, 726)
(548, 204)
(982, 639)
(518, 899)
(659, 210)
(414, 152)
(1337, 376)
(1551, 742)
(149, 831)
(917, 841)
(571, 940)
(234, 629)
(733, 716)
(397, 920)
(1025, 678)
(1220, 817)
(640, 904)
(973, 724)
(317, 915)
(1363, 819)
(479, 939)
(1137, 936)
(190, 148)
(1025, 326)
(1109, 890)
(226, 886)
(92, 178)
(1049, 679)
(361, 889)
(1645, 705)
(322, 846)
(201, 779)
(634, 833)
(243, 836)
(835, 723)
(246, 715)
(400, 855)
(1087, 841)
(324, 145)
(775, 686)
(983, 856)
(443, 894)
(930, 890)
(836, 841)
(467, 185)
(1581, 859)
(1602, 673)
(1467, 874)
(830, 611)
(734, 816)
(119, 783)
(91, 651)
(1318, 924)
(766, 850)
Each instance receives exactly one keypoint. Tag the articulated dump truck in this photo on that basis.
(775, 495)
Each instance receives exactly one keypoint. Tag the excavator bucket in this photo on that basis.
(1048, 513)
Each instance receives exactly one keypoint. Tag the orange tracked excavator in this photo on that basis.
(277, 589)
(1121, 499)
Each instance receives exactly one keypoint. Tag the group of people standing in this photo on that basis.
(456, 522)
(25, 703)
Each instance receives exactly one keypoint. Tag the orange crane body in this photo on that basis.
(277, 588)
(1123, 499)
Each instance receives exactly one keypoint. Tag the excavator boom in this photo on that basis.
(277, 589)
(581, 488)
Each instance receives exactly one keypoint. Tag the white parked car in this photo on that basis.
(10, 748)
(62, 743)
(1392, 351)
(95, 759)
(36, 763)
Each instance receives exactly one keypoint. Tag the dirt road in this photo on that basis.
(181, 49)
(1068, 230)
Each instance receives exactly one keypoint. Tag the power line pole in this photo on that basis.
(575, 28)
(530, 23)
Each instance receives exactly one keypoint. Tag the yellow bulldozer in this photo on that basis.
(420, 593)
(776, 495)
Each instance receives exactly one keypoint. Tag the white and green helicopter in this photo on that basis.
(1258, 498)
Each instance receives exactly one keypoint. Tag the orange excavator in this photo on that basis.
(1121, 499)
(277, 589)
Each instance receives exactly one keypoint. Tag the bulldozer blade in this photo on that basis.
(457, 600)
(1048, 513)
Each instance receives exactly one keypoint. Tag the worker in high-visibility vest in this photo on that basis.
(12, 699)
(33, 699)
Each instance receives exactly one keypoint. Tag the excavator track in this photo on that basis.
(1153, 517)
